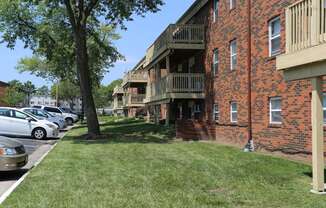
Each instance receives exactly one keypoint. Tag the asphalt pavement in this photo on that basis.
(35, 149)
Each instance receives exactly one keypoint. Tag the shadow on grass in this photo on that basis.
(309, 174)
(129, 131)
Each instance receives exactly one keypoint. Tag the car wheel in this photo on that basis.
(69, 121)
(39, 133)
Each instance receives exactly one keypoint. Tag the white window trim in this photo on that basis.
(274, 110)
(232, 111)
(215, 61)
(231, 5)
(271, 37)
(216, 111)
(215, 10)
(233, 53)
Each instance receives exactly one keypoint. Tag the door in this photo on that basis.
(6, 121)
(22, 125)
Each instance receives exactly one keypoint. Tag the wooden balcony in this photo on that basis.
(134, 100)
(117, 90)
(117, 104)
(177, 86)
(305, 35)
(135, 77)
(177, 37)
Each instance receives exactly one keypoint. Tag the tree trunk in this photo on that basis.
(85, 82)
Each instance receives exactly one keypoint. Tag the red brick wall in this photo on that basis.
(294, 135)
(193, 129)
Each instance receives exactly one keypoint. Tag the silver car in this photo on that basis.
(12, 154)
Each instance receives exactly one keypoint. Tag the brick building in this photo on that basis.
(231, 71)
(3, 87)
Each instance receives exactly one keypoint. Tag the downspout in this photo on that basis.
(250, 145)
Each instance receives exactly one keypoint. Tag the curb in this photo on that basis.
(4, 196)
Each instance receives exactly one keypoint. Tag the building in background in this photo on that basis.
(217, 75)
(117, 95)
(75, 105)
(134, 86)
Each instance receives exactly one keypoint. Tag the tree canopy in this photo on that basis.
(67, 37)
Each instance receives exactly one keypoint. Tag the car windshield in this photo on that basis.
(47, 113)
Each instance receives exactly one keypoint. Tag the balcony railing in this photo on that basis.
(176, 83)
(305, 25)
(117, 90)
(135, 77)
(177, 37)
(134, 99)
(117, 104)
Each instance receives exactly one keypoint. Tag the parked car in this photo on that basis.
(69, 117)
(18, 123)
(12, 154)
(42, 114)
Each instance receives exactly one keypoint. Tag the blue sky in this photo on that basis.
(133, 44)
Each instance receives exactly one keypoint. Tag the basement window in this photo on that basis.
(275, 110)
(234, 112)
(274, 30)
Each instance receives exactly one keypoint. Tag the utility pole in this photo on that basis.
(57, 94)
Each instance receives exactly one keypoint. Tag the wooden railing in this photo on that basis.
(117, 90)
(177, 83)
(176, 35)
(117, 104)
(305, 25)
(132, 99)
(132, 76)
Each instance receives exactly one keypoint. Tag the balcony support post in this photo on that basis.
(317, 136)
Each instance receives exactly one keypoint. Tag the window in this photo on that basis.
(232, 4)
(20, 115)
(233, 54)
(52, 110)
(216, 112)
(234, 112)
(324, 107)
(215, 9)
(215, 62)
(275, 111)
(5, 112)
(274, 28)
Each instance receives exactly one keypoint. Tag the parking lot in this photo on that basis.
(36, 149)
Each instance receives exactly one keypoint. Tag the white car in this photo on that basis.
(69, 117)
(42, 114)
(18, 123)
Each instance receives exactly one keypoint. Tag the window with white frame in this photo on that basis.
(216, 113)
(233, 54)
(274, 30)
(215, 9)
(234, 112)
(324, 107)
(275, 110)
(232, 4)
(215, 62)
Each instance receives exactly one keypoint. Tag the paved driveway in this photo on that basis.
(35, 149)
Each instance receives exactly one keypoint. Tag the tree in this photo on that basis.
(42, 91)
(33, 22)
(29, 89)
(14, 95)
(68, 91)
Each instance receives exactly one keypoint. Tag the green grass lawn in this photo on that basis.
(139, 165)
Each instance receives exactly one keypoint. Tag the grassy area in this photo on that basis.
(140, 166)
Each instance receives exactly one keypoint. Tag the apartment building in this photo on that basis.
(134, 86)
(3, 87)
(117, 95)
(238, 71)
